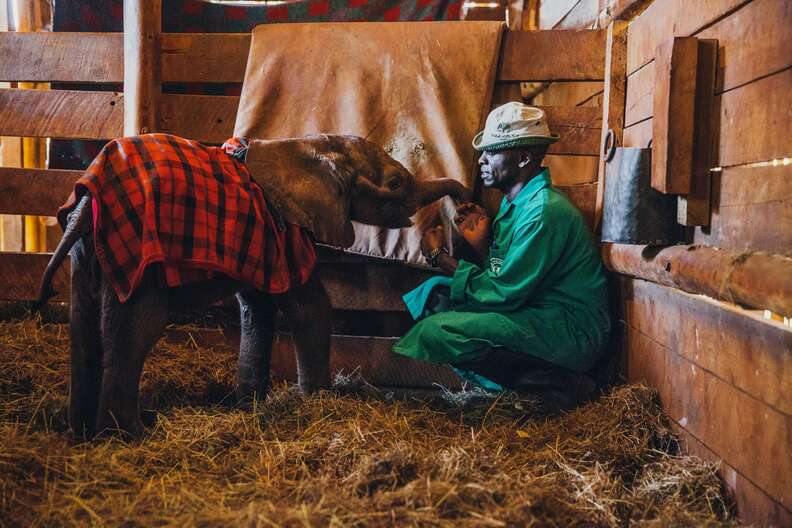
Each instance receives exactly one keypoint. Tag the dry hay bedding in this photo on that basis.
(360, 458)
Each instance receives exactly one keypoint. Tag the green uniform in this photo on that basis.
(542, 291)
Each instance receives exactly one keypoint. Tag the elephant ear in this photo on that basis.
(307, 185)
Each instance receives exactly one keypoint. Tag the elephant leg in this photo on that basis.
(257, 313)
(86, 345)
(129, 330)
(309, 313)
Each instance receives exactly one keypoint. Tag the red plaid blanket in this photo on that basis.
(194, 210)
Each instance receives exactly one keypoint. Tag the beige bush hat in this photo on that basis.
(514, 125)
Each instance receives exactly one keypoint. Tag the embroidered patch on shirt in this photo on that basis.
(495, 265)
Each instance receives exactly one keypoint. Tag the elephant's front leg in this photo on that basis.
(129, 330)
(257, 313)
(309, 313)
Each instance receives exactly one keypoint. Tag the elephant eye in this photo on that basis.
(394, 183)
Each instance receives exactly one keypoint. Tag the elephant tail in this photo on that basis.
(78, 224)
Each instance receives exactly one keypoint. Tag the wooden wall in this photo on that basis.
(579, 171)
(724, 373)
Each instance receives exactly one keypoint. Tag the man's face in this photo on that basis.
(500, 169)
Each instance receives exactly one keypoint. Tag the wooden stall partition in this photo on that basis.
(722, 371)
(355, 284)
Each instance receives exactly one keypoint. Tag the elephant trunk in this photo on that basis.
(429, 191)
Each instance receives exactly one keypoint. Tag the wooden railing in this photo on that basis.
(203, 58)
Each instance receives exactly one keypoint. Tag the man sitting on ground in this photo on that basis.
(529, 311)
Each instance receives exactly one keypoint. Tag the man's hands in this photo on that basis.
(475, 227)
(433, 238)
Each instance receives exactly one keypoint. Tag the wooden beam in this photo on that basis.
(693, 209)
(576, 56)
(723, 373)
(638, 135)
(578, 126)
(584, 197)
(752, 210)
(221, 57)
(206, 118)
(61, 113)
(669, 18)
(761, 134)
(755, 279)
(20, 277)
(613, 102)
(34, 191)
(571, 170)
(142, 70)
(352, 284)
(62, 57)
(639, 104)
(204, 57)
(373, 357)
(755, 41)
(676, 63)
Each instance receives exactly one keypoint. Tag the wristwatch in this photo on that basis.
(433, 255)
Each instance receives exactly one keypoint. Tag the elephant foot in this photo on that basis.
(82, 424)
(249, 396)
(127, 429)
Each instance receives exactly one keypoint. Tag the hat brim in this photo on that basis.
(514, 143)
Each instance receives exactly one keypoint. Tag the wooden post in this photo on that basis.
(694, 208)
(676, 61)
(142, 71)
(613, 101)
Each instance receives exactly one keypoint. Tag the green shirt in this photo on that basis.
(542, 290)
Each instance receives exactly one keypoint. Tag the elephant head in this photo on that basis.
(323, 182)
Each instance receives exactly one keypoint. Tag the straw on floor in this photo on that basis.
(354, 457)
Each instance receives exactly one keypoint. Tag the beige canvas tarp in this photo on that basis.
(420, 90)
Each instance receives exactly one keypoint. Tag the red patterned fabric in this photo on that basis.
(194, 210)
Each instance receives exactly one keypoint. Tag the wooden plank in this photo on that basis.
(752, 210)
(754, 279)
(204, 57)
(579, 128)
(739, 346)
(713, 409)
(755, 41)
(580, 93)
(221, 57)
(20, 276)
(373, 358)
(638, 135)
(142, 69)
(742, 60)
(761, 133)
(572, 170)
(351, 286)
(668, 18)
(34, 191)
(676, 64)
(693, 209)
(369, 286)
(206, 118)
(61, 113)
(754, 506)
(613, 106)
(50, 57)
(639, 104)
(582, 59)
(584, 198)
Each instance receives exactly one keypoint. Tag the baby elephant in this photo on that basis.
(319, 182)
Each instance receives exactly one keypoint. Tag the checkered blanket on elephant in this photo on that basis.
(193, 210)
